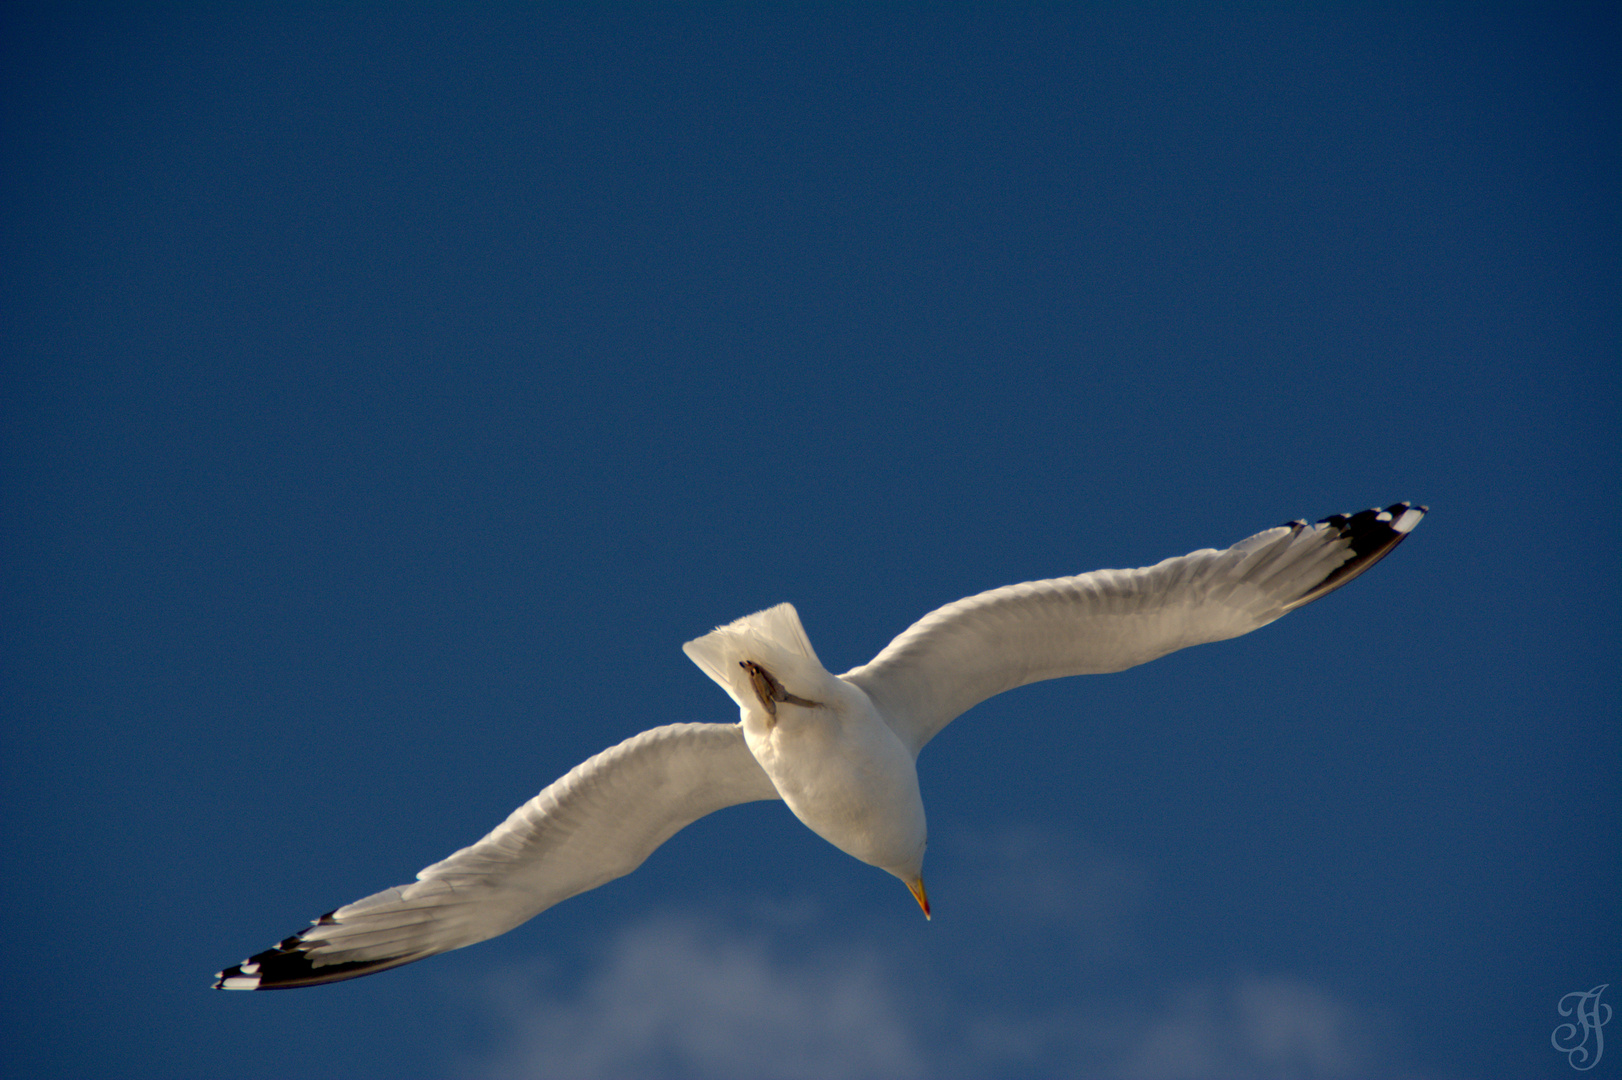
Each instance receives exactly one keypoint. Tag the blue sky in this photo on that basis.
(389, 393)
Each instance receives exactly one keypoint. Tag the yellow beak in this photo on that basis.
(917, 887)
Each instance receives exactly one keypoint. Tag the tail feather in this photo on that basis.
(772, 638)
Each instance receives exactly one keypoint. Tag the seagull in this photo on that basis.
(838, 749)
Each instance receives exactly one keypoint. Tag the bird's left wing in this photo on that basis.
(597, 823)
(1108, 620)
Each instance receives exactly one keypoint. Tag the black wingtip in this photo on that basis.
(1371, 534)
(278, 969)
(288, 965)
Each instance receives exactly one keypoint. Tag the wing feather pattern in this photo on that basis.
(597, 823)
(1109, 620)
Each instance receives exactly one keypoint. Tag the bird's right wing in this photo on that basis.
(1108, 620)
(597, 823)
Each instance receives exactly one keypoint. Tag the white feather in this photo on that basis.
(838, 750)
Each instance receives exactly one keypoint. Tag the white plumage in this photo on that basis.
(839, 750)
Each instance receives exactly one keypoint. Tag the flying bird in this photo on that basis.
(838, 749)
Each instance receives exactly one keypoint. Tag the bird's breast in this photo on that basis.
(852, 783)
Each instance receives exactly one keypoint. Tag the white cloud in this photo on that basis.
(1251, 1027)
(673, 998)
(676, 998)
(746, 996)
(1036, 881)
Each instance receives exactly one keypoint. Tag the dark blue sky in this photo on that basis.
(389, 394)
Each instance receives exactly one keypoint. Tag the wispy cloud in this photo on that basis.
(676, 998)
(1251, 1027)
(1039, 882)
(699, 996)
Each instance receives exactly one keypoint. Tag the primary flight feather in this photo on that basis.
(839, 750)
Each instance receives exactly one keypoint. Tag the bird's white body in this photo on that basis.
(843, 772)
(838, 764)
(839, 750)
